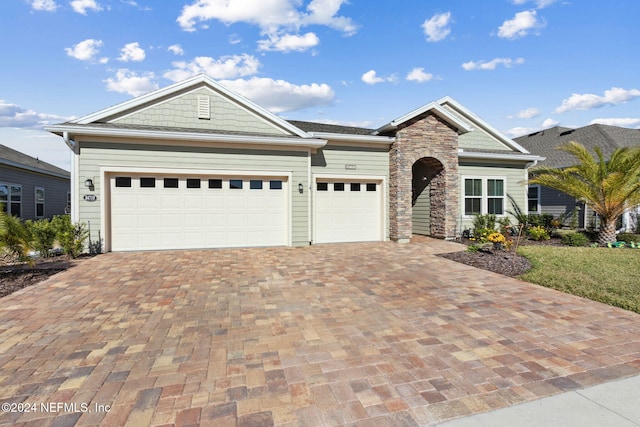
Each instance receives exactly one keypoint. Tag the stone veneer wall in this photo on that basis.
(425, 136)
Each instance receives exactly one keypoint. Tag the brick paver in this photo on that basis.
(356, 334)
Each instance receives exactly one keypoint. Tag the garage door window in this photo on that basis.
(338, 186)
(235, 184)
(275, 185)
(193, 183)
(322, 186)
(255, 184)
(147, 182)
(171, 183)
(123, 181)
(371, 187)
(355, 186)
(215, 183)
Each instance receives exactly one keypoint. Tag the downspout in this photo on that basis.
(75, 198)
(309, 186)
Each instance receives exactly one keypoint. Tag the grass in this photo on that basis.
(610, 276)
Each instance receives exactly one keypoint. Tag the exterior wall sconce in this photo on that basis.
(300, 188)
(89, 184)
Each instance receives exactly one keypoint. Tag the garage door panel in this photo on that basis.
(175, 218)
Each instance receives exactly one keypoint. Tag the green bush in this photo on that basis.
(575, 239)
(544, 220)
(71, 237)
(628, 237)
(43, 236)
(538, 233)
(15, 238)
(483, 225)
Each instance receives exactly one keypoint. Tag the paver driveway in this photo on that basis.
(355, 334)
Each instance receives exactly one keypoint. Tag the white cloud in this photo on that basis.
(176, 49)
(271, 16)
(227, 67)
(528, 113)
(549, 123)
(589, 101)
(372, 78)
(46, 5)
(491, 65)
(519, 131)
(437, 28)
(540, 4)
(621, 122)
(86, 50)
(132, 83)
(289, 42)
(419, 75)
(520, 26)
(132, 52)
(81, 6)
(280, 96)
(12, 115)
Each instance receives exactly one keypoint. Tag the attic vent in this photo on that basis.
(567, 132)
(204, 110)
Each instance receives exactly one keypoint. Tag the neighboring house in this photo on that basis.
(546, 142)
(195, 165)
(31, 188)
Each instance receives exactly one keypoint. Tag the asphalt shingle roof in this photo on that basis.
(323, 127)
(9, 155)
(607, 138)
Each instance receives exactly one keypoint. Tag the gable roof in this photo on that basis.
(433, 108)
(14, 158)
(607, 138)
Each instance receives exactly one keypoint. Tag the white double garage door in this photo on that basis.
(153, 211)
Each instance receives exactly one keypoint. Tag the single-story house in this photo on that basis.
(31, 188)
(546, 142)
(195, 165)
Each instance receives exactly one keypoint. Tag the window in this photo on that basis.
(371, 186)
(322, 186)
(235, 184)
(533, 196)
(275, 185)
(484, 196)
(39, 202)
(147, 182)
(215, 183)
(338, 186)
(171, 183)
(67, 209)
(355, 186)
(11, 199)
(193, 183)
(123, 181)
(255, 184)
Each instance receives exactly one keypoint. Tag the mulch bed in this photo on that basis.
(14, 277)
(498, 261)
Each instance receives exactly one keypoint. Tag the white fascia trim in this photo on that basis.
(369, 139)
(31, 169)
(437, 110)
(481, 123)
(188, 136)
(493, 156)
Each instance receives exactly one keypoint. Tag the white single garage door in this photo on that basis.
(348, 211)
(182, 212)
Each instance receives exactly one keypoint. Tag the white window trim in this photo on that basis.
(9, 201)
(539, 205)
(484, 198)
(35, 196)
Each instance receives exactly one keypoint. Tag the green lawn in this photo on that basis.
(611, 276)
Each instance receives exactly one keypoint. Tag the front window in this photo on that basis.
(484, 196)
(39, 202)
(533, 197)
(11, 199)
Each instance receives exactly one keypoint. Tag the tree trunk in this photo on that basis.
(607, 231)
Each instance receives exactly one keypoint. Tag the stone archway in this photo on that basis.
(427, 201)
(424, 137)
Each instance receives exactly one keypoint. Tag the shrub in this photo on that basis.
(628, 237)
(483, 225)
(43, 235)
(496, 238)
(538, 233)
(15, 237)
(575, 239)
(544, 220)
(70, 236)
(473, 248)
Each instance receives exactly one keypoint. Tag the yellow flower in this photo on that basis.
(496, 238)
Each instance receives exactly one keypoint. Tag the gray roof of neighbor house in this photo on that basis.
(327, 128)
(11, 157)
(607, 138)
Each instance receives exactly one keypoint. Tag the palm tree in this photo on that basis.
(608, 187)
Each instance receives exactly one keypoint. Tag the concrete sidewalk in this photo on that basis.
(615, 404)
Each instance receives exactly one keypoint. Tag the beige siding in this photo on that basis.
(422, 213)
(340, 160)
(94, 155)
(516, 177)
(182, 112)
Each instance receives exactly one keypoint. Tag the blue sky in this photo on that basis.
(521, 65)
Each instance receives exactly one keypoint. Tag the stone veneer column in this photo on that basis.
(425, 136)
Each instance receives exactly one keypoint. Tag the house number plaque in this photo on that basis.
(90, 197)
